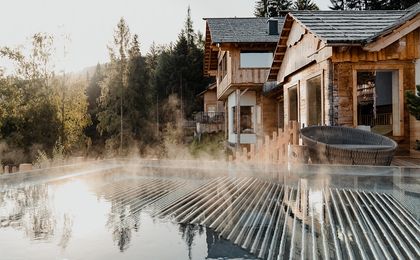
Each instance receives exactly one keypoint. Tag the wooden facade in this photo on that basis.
(235, 76)
(223, 61)
(210, 101)
(308, 58)
(324, 74)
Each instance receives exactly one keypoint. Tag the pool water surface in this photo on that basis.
(81, 218)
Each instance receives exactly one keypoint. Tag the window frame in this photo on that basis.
(255, 52)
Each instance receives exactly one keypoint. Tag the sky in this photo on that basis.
(90, 23)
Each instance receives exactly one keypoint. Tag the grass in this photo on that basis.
(210, 145)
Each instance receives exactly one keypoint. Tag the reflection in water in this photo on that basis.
(188, 233)
(121, 222)
(67, 231)
(28, 209)
(106, 220)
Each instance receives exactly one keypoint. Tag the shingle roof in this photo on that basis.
(241, 30)
(411, 13)
(348, 26)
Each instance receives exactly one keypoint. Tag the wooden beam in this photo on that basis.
(385, 41)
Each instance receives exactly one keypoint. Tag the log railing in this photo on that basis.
(274, 149)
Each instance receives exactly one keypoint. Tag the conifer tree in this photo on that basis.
(271, 8)
(111, 116)
(261, 7)
(338, 5)
(305, 5)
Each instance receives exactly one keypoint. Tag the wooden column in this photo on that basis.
(238, 120)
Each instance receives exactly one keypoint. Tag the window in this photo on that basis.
(314, 101)
(223, 67)
(256, 59)
(377, 101)
(246, 120)
(293, 104)
(211, 108)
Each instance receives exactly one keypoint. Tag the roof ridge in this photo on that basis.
(328, 24)
(255, 18)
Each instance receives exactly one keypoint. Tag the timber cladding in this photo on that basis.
(300, 81)
(344, 81)
(343, 94)
(269, 115)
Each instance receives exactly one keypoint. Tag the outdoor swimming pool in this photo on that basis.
(159, 211)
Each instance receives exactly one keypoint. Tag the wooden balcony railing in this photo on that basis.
(380, 119)
(210, 117)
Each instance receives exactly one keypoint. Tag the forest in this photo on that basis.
(135, 98)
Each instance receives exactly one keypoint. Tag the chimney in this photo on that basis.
(273, 26)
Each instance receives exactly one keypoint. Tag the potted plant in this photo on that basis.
(413, 104)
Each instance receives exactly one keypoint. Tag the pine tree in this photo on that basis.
(93, 92)
(338, 5)
(305, 5)
(357, 4)
(401, 4)
(276, 6)
(272, 8)
(188, 29)
(137, 97)
(179, 72)
(111, 116)
(261, 7)
(375, 5)
(284, 5)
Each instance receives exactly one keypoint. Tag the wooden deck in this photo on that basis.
(406, 161)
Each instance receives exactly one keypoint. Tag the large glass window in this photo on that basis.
(246, 120)
(375, 106)
(293, 104)
(223, 68)
(314, 101)
(256, 59)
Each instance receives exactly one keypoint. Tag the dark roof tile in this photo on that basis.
(241, 30)
(348, 26)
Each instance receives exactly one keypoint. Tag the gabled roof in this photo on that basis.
(342, 28)
(410, 14)
(252, 30)
(210, 87)
(339, 27)
(241, 30)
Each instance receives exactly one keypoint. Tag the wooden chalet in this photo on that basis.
(349, 68)
(210, 102)
(239, 53)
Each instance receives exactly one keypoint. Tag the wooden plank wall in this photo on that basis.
(238, 76)
(302, 49)
(246, 76)
(227, 80)
(342, 94)
(268, 114)
(407, 48)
